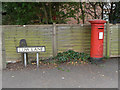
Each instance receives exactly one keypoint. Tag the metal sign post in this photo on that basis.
(23, 43)
(37, 59)
(32, 49)
(25, 61)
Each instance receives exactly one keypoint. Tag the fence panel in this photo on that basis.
(34, 35)
(114, 51)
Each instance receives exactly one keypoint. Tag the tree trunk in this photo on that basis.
(94, 7)
(50, 8)
(101, 4)
(58, 18)
(102, 10)
(110, 14)
(45, 13)
(83, 19)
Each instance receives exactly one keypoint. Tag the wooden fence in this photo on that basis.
(34, 35)
(114, 39)
(56, 38)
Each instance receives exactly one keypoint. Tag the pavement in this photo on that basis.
(103, 75)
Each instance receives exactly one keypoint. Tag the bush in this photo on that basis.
(71, 55)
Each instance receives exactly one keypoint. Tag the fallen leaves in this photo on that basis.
(33, 63)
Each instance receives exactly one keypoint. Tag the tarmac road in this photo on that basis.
(80, 76)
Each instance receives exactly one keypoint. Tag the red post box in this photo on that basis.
(97, 37)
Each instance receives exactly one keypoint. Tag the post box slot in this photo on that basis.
(100, 27)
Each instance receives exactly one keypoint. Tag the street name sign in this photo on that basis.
(30, 49)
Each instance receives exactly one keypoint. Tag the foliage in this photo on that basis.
(71, 56)
(106, 57)
(112, 10)
(21, 13)
(114, 14)
(18, 13)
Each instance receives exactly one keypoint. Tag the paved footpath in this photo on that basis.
(81, 76)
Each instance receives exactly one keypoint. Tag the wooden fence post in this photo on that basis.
(107, 39)
(3, 51)
(54, 42)
(0, 48)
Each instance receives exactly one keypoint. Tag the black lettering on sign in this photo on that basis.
(31, 49)
(39, 48)
(22, 50)
(35, 49)
(26, 49)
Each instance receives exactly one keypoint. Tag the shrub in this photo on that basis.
(71, 55)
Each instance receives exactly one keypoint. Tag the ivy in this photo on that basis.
(71, 56)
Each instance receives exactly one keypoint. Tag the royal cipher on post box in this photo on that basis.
(97, 37)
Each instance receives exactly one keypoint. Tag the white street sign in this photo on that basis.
(30, 49)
